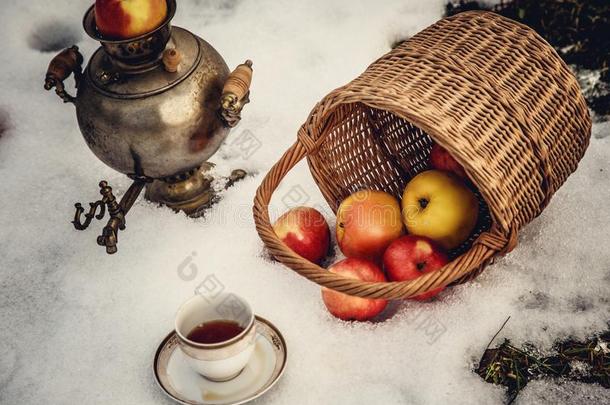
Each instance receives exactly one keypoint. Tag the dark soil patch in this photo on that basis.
(584, 361)
(578, 29)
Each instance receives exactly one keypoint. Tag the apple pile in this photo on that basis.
(384, 239)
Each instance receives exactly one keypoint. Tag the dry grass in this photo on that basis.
(578, 29)
(512, 367)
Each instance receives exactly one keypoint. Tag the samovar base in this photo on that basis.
(191, 192)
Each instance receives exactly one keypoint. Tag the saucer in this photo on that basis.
(183, 385)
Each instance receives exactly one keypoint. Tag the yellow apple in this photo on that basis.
(122, 19)
(438, 205)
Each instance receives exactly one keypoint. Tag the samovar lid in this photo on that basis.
(112, 79)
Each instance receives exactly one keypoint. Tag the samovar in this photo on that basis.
(155, 108)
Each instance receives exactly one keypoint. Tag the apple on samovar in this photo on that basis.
(124, 19)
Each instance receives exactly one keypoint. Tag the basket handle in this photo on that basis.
(488, 245)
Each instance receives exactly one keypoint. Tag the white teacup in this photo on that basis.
(217, 361)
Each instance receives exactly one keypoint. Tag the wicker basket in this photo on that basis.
(489, 90)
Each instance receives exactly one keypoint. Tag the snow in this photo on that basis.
(79, 326)
(561, 392)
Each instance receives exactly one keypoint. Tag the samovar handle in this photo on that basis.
(67, 62)
(236, 93)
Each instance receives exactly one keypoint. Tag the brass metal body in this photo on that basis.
(143, 126)
(156, 119)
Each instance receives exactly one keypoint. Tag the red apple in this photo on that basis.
(367, 222)
(440, 159)
(411, 256)
(348, 307)
(123, 19)
(304, 230)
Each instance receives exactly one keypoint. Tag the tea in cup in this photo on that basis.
(217, 334)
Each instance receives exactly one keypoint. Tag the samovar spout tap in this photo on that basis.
(116, 210)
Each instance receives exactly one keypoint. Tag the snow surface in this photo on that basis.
(561, 392)
(78, 326)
